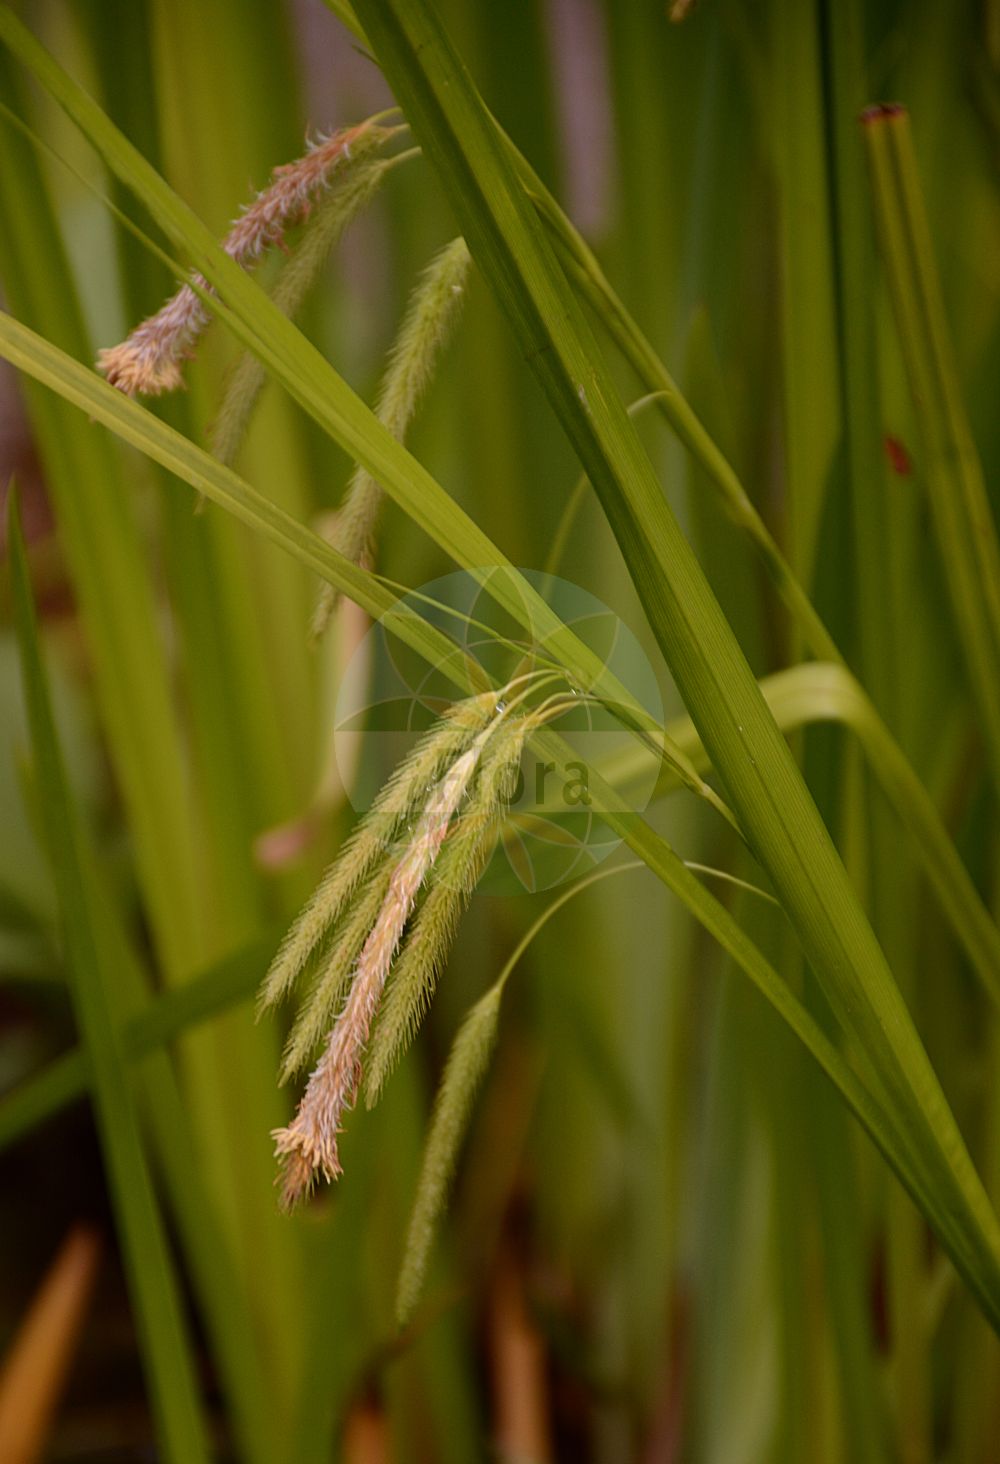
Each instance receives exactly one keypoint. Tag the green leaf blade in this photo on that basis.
(154, 1292)
(761, 780)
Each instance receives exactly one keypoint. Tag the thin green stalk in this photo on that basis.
(841, 1220)
(466, 1066)
(817, 693)
(966, 532)
(166, 1346)
(589, 279)
(829, 693)
(101, 539)
(854, 260)
(880, 666)
(809, 356)
(226, 1306)
(783, 1080)
(162, 1019)
(880, 652)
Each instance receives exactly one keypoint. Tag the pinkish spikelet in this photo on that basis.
(309, 1143)
(149, 361)
(296, 1179)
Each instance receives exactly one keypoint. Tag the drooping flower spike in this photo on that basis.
(150, 360)
(397, 888)
(427, 324)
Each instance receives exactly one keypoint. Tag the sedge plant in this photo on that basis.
(712, 1217)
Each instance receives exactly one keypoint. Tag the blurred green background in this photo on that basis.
(667, 1240)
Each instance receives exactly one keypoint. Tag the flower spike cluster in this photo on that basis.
(450, 793)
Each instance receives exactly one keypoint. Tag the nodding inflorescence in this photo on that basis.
(383, 916)
(150, 360)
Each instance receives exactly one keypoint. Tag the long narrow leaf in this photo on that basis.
(760, 777)
(136, 425)
(735, 723)
(100, 534)
(232, 980)
(966, 532)
(804, 695)
(151, 1279)
(313, 382)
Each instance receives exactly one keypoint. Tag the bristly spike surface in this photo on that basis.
(312, 1135)
(149, 361)
(336, 969)
(428, 321)
(466, 854)
(398, 800)
(352, 188)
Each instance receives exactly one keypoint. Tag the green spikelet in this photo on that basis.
(400, 797)
(429, 317)
(467, 1062)
(456, 874)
